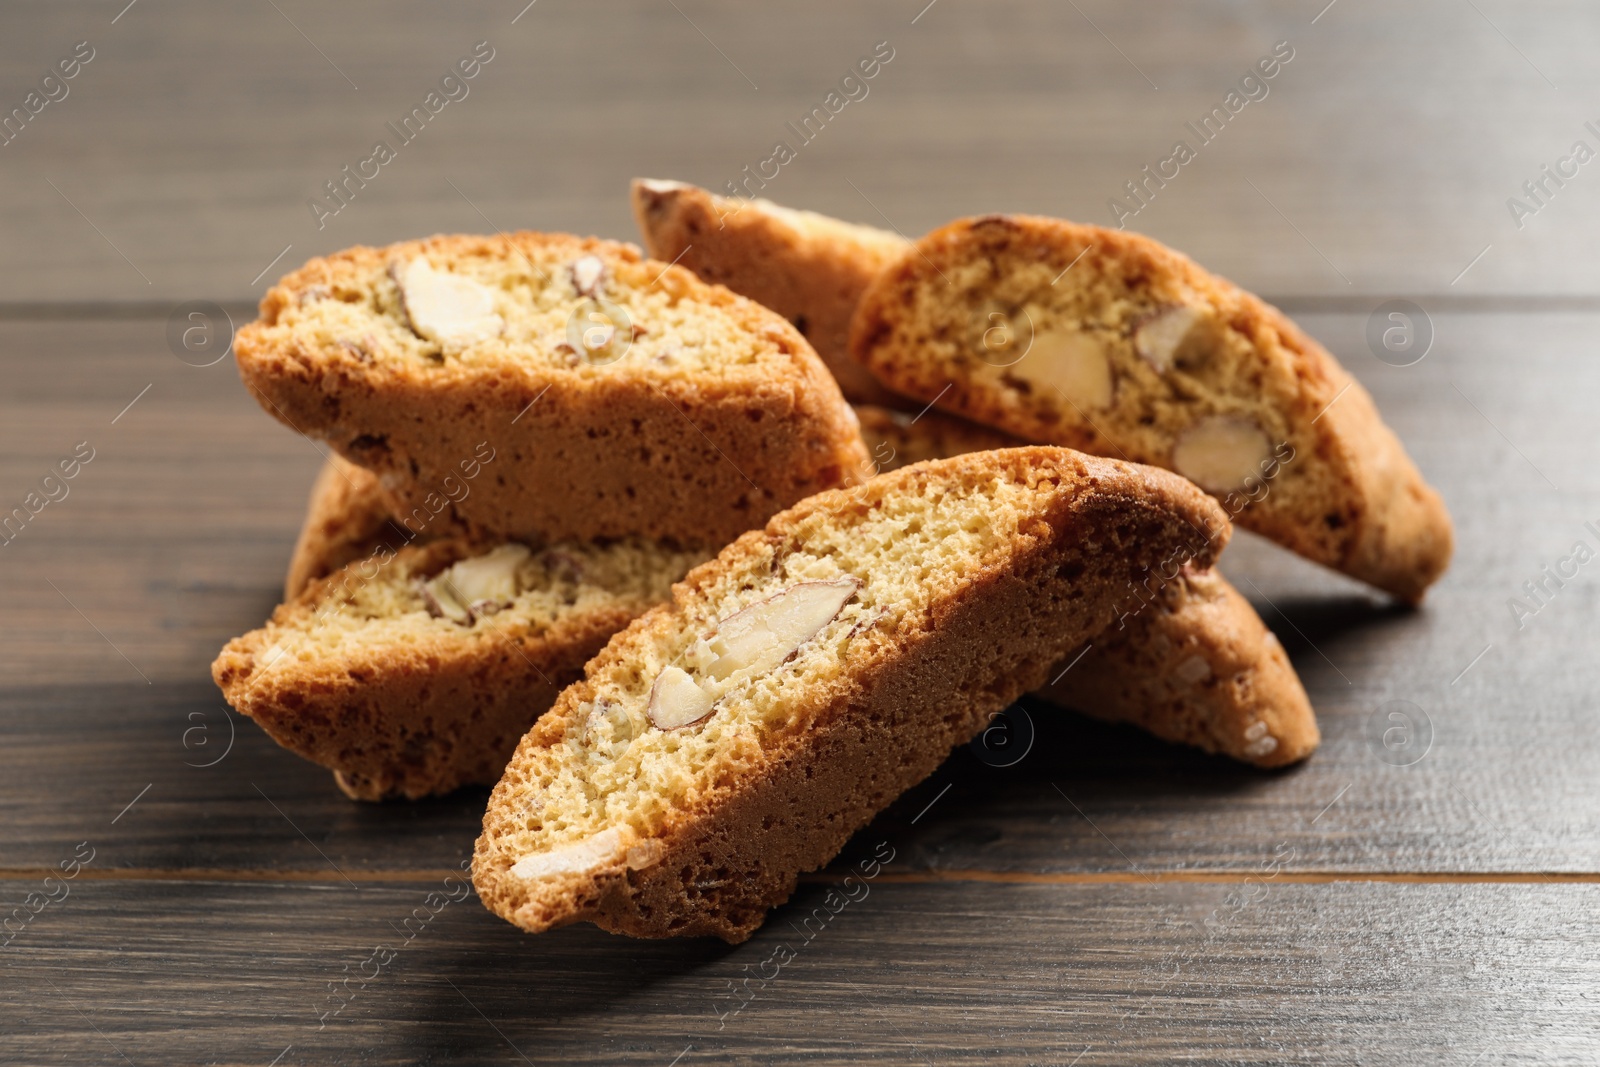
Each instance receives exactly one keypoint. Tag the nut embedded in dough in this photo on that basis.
(1159, 336)
(677, 700)
(1220, 452)
(450, 309)
(587, 274)
(1071, 361)
(480, 585)
(764, 635)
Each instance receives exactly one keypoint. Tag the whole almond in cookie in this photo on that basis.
(413, 672)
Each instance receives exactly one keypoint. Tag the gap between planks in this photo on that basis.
(426, 875)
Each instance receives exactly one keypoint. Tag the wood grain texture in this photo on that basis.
(1382, 156)
(1105, 900)
(1263, 972)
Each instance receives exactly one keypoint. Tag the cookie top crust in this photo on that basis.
(553, 303)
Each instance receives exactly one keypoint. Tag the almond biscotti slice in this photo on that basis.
(346, 520)
(1188, 659)
(1195, 665)
(808, 675)
(412, 673)
(547, 387)
(1110, 342)
(809, 268)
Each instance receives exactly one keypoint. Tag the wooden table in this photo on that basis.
(1424, 897)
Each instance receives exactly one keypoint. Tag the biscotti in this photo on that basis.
(414, 672)
(1112, 343)
(809, 268)
(1196, 666)
(1188, 658)
(809, 674)
(346, 520)
(600, 395)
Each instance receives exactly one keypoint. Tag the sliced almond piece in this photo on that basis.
(447, 308)
(758, 638)
(1193, 670)
(491, 576)
(597, 850)
(1161, 333)
(763, 635)
(1220, 451)
(483, 584)
(608, 729)
(1261, 742)
(587, 274)
(1072, 361)
(646, 853)
(676, 700)
(442, 603)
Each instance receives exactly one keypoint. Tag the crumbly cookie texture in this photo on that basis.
(413, 673)
(1188, 660)
(808, 675)
(809, 268)
(1110, 342)
(547, 387)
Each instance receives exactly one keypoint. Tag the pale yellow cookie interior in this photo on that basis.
(542, 303)
(1140, 359)
(613, 772)
(385, 602)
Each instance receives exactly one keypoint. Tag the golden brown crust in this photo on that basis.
(1196, 667)
(898, 439)
(1348, 497)
(809, 268)
(424, 715)
(636, 447)
(1193, 664)
(905, 693)
(346, 520)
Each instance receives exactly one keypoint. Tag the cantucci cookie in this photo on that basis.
(1112, 343)
(808, 675)
(1188, 659)
(1194, 665)
(809, 268)
(346, 520)
(547, 387)
(413, 673)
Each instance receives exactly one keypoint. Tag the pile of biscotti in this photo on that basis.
(702, 559)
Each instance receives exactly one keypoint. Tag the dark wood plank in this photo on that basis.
(1382, 156)
(1107, 899)
(959, 973)
(174, 537)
